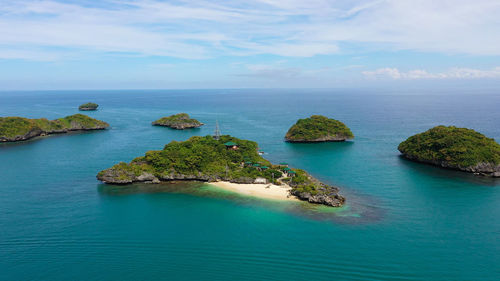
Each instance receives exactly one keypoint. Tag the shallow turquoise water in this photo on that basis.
(403, 221)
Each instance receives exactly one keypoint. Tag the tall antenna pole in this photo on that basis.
(217, 130)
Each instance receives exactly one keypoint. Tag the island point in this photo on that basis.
(227, 162)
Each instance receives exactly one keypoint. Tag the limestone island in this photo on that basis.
(14, 129)
(318, 128)
(179, 121)
(227, 162)
(454, 148)
(88, 106)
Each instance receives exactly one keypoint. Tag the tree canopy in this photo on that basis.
(459, 147)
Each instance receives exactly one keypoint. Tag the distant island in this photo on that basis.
(179, 121)
(455, 148)
(226, 161)
(318, 128)
(88, 106)
(14, 129)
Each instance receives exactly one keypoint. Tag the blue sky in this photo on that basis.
(147, 44)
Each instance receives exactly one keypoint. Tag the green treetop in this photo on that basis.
(318, 128)
(458, 147)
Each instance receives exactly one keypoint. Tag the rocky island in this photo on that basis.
(226, 159)
(454, 148)
(88, 106)
(19, 129)
(318, 128)
(179, 121)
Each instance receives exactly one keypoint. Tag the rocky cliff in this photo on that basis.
(482, 168)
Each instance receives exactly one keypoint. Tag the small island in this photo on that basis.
(227, 162)
(14, 129)
(454, 148)
(179, 121)
(318, 128)
(88, 106)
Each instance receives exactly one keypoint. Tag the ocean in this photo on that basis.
(402, 221)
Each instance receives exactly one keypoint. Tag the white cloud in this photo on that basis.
(200, 29)
(454, 73)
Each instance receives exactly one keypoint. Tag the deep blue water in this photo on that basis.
(403, 220)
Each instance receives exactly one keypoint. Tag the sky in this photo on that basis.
(152, 44)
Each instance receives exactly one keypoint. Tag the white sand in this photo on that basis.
(267, 191)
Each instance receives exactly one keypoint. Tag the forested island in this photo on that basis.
(179, 121)
(88, 106)
(318, 128)
(226, 159)
(19, 129)
(455, 148)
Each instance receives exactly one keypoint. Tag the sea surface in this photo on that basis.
(402, 221)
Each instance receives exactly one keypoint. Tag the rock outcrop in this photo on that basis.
(482, 168)
(115, 175)
(179, 121)
(88, 106)
(329, 197)
(321, 194)
(327, 138)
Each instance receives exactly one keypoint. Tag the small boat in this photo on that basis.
(260, 152)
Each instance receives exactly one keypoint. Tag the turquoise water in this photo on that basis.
(403, 221)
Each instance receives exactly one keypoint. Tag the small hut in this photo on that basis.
(286, 170)
(291, 173)
(231, 145)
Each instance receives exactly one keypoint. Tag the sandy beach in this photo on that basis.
(267, 191)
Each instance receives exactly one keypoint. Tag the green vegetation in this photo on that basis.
(80, 121)
(318, 128)
(204, 157)
(208, 159)
(457, 147)
(178, 121)
(88, 106)
(19, 128)
(15, 126)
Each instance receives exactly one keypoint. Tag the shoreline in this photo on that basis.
(264, 191)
